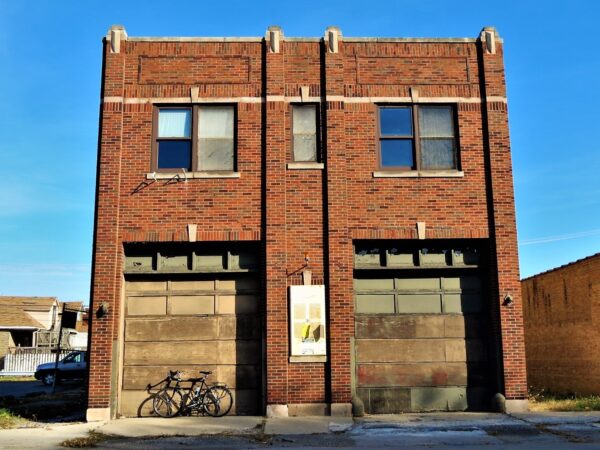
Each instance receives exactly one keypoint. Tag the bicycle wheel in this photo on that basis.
(167, 402)
(218, 401)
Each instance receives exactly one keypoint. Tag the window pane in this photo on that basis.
(174, 123)
(174, 155)
(305, 147)
(435, 121)
(397, 153)
(216, 154)
(215, 122)
(305, 119)
(437, 154)
(396, 121)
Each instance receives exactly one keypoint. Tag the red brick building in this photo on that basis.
(561, 313)
(320, 221)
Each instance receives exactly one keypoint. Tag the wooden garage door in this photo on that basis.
(190, 325)
(420, 342)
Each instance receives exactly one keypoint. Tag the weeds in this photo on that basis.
(8, 419)
(90, 440)
(547, 401)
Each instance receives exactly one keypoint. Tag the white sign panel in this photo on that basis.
(307, 320)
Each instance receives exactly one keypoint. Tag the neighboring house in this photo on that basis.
(320, 221)
(23, 318)
(78, 336)
(561, 311)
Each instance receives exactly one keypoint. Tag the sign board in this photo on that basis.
(307, 320)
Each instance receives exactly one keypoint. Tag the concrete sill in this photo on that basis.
(305, 166)
(419, 174)
(190, 175)
(308, 359)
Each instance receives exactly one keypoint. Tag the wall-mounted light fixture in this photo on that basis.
(507, 300)
(102, 310)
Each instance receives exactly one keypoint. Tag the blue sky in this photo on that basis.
(50, 53)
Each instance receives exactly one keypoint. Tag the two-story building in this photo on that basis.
(323, 222)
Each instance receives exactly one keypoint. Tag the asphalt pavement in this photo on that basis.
(446, 431)
(24, 388)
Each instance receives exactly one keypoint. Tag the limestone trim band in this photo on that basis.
(298, 99)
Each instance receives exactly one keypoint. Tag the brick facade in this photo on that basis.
(561, 311)
(317, 211)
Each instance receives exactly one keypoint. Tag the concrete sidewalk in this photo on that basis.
(487, 425)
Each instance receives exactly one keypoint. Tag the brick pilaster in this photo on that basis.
(339, 244)
(505, 263)
(107, 258)
(275, 230)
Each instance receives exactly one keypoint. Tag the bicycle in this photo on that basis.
(215, 400)
(168, 401)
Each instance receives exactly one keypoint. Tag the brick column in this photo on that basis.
(503, 223)
(275, 226)
(106, 272)
(339, 245)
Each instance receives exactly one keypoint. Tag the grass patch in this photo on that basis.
(16, 378)
(546, 401)
(90, 440)
(9, 420)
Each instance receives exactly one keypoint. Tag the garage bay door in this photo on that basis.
(419, 341)
(212, 323)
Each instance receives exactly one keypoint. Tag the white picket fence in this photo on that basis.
(24, 361)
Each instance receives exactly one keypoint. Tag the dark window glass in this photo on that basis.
(396, 153)
(396, 122)
(175, 155)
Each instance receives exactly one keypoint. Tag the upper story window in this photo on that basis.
(305, 136)
(417, 137)
(198, 138)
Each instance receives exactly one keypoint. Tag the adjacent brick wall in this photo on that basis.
(562, 328)
(296, 212)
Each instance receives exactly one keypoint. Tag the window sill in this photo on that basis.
(308, 165)
(181, 176)
(308, 359)
(418, 174)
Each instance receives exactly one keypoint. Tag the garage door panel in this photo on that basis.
(419, 303)
(375, 304)
(407, 375)
(238, 352)
(147, 306)
(235, 376)
(240, 327)
(192, 304)
(469, 350)
(146, 286)
(238, 304)
(385, 400)
(171, 329)
(195, 285)
(138, 377)
(417, 284)
(170, 353)
(463, 303)
(399, 327)
(399, 350)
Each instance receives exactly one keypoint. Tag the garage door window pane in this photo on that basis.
(375, 304)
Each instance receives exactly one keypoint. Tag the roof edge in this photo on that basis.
(577, 261)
